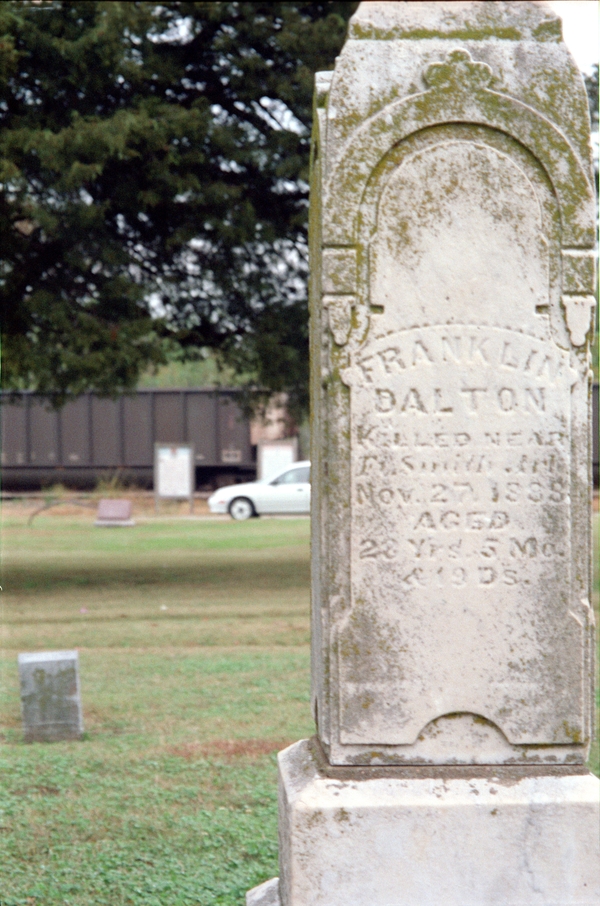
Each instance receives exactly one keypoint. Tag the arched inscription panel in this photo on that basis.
(460, 460)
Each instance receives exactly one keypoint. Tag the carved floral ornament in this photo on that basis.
(458, 73)
(467, 83)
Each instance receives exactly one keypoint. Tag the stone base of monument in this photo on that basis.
(266, 894)
(433, 837)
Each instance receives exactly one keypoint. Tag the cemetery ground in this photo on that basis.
(193, 644)
(193, 638)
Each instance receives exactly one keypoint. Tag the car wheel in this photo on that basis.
(241, 508)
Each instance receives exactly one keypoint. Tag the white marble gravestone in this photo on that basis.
(452, 281)
(50, 696)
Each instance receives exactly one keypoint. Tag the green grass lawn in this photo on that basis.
(194, 670)
(193, 640)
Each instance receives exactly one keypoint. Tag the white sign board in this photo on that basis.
(174, 471)
(274, 457)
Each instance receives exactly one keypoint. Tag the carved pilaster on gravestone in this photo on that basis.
(452, 281)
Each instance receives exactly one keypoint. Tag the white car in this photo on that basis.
(287, 492)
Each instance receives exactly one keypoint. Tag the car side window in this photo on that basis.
(294, 476)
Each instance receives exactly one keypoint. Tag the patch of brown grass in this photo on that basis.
(227, 748)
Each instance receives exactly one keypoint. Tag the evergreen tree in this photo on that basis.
(154, 186)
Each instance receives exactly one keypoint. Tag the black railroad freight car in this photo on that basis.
(92, 438)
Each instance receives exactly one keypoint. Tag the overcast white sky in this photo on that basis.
(581, 29)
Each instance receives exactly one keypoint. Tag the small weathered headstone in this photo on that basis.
(452, 286)
(113, 511)
(50, 696)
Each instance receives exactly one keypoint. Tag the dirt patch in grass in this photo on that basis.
(37, 790)
(228, 748)
(59, 503)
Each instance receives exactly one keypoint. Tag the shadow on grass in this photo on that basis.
(261, 570)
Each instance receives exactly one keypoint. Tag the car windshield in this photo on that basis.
(294, 476)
